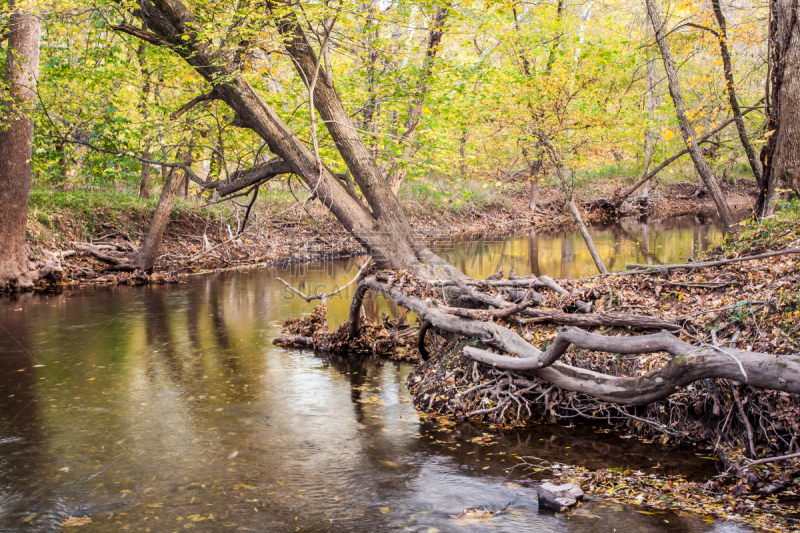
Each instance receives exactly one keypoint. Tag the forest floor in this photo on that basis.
(286, 227)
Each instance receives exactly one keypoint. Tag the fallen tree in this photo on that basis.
(688, 363)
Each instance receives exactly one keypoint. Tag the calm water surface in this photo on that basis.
(168, 408)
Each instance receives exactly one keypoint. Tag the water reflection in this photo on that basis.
(163, 407)
(563, 254)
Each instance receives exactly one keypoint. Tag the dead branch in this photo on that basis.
(708, 264)
(751, 462)
(588, 320)
(324, 296)
(95, 251)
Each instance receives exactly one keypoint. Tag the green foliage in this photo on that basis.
(455, 195)
(775, 232)
(83, 212)
(506, 77)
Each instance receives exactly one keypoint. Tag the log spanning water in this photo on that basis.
(172, 402)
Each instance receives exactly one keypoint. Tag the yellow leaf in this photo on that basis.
(74, 521)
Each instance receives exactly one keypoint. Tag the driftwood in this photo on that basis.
(587, 320)
(513, 282)
(688, 363)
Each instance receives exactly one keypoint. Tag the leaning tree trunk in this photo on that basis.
(16, 143)
(146, 257)
(727, 66)
(382, 227)
(781, 155)
(587, 238)
(687, 130)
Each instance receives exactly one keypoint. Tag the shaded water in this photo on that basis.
(166, 408)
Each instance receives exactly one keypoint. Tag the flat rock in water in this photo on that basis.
(559, 497)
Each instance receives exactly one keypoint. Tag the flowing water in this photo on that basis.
(166, 408)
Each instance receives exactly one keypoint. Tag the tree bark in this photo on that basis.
(598, 261)
(144, 181)
(781, 155)
(727, 65)
(16, 144)
(533, 200)
(687, 130)
(146, 257)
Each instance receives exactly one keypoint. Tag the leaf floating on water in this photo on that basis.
(74, 521)
(474, 513)
(384, 510)
(390, 463)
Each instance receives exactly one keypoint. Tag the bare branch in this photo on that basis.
(324, 296)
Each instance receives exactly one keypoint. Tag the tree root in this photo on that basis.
(688, 364)
(41, 264)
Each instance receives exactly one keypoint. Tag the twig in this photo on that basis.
(707, 264)
(324, 296)
(716, 347)
(751, 462)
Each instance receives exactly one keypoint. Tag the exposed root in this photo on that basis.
(41, 266)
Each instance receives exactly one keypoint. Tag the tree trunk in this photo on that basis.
(16, 143)
(146, 257)
(781, 155)
(462, 154)
(601, 267)
(144, 182)
(727, 65)
(397, 174)
(687, 130)
(650, 137)
(533, 201)
(382, 228)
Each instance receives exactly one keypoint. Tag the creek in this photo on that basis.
(167, 407)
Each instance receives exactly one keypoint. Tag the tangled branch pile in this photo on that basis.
(387, 337)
